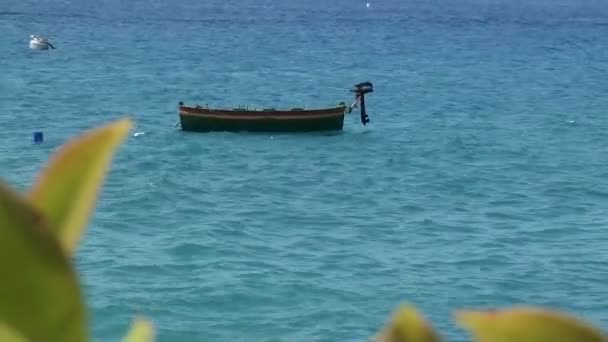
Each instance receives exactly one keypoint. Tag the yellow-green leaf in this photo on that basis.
(527, 324)
(40, 296)
(66, 190)
(408, 325)
(8, 334)
(142, 330)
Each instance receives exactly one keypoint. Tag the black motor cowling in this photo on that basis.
(363, 88)
(360, 90)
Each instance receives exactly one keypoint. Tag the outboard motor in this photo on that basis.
(360, 90)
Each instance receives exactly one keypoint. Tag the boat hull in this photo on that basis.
(196, 119)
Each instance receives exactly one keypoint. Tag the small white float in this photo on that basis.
(39, 43)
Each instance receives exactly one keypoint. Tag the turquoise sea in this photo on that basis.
(480, 182)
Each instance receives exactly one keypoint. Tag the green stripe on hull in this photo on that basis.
(197, 123)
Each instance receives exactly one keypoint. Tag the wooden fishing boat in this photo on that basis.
(204, 119)
(241, 119)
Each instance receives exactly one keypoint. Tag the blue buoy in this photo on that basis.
(38, 137)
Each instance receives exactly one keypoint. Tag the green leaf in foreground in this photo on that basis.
(407, 325)
(66, 191)
(8, 334)
(40, 297)
(141, 331)
(527, 324)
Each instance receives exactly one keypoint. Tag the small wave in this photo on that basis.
(11, 13)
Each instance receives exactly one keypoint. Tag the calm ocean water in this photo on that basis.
(479, 183)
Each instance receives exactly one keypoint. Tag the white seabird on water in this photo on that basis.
(39, 43)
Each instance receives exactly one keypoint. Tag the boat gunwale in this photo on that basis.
(262, 113)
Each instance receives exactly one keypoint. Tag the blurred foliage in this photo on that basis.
(516, 324)
(41, 298)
